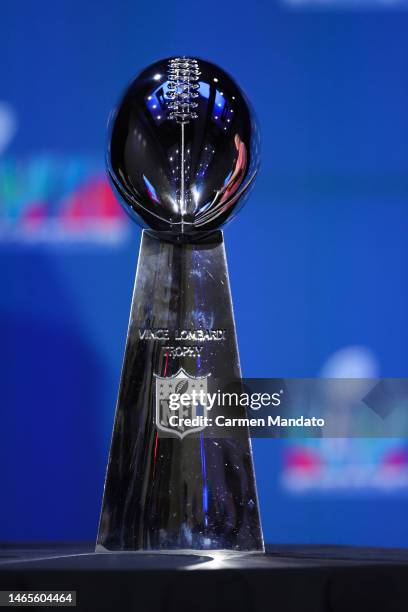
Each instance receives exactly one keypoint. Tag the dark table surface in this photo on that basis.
(285, 578)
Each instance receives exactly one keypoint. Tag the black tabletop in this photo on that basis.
(284, 579)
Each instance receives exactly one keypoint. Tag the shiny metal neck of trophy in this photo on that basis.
(183, 148)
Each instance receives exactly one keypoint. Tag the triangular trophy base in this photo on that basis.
(180, 492)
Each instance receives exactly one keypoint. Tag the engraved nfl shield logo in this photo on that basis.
(172, 387)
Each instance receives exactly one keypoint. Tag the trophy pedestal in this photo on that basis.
(176, 488)
(285, 578)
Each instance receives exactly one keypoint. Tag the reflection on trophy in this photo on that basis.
(183, 154)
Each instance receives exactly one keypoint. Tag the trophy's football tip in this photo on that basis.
(183, 147)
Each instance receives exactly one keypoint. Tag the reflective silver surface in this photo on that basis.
(183, 153)
(167, 493)
(184, 147)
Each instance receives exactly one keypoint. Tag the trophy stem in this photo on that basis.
(172, 489)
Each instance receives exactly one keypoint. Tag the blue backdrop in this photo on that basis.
(318, 257)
